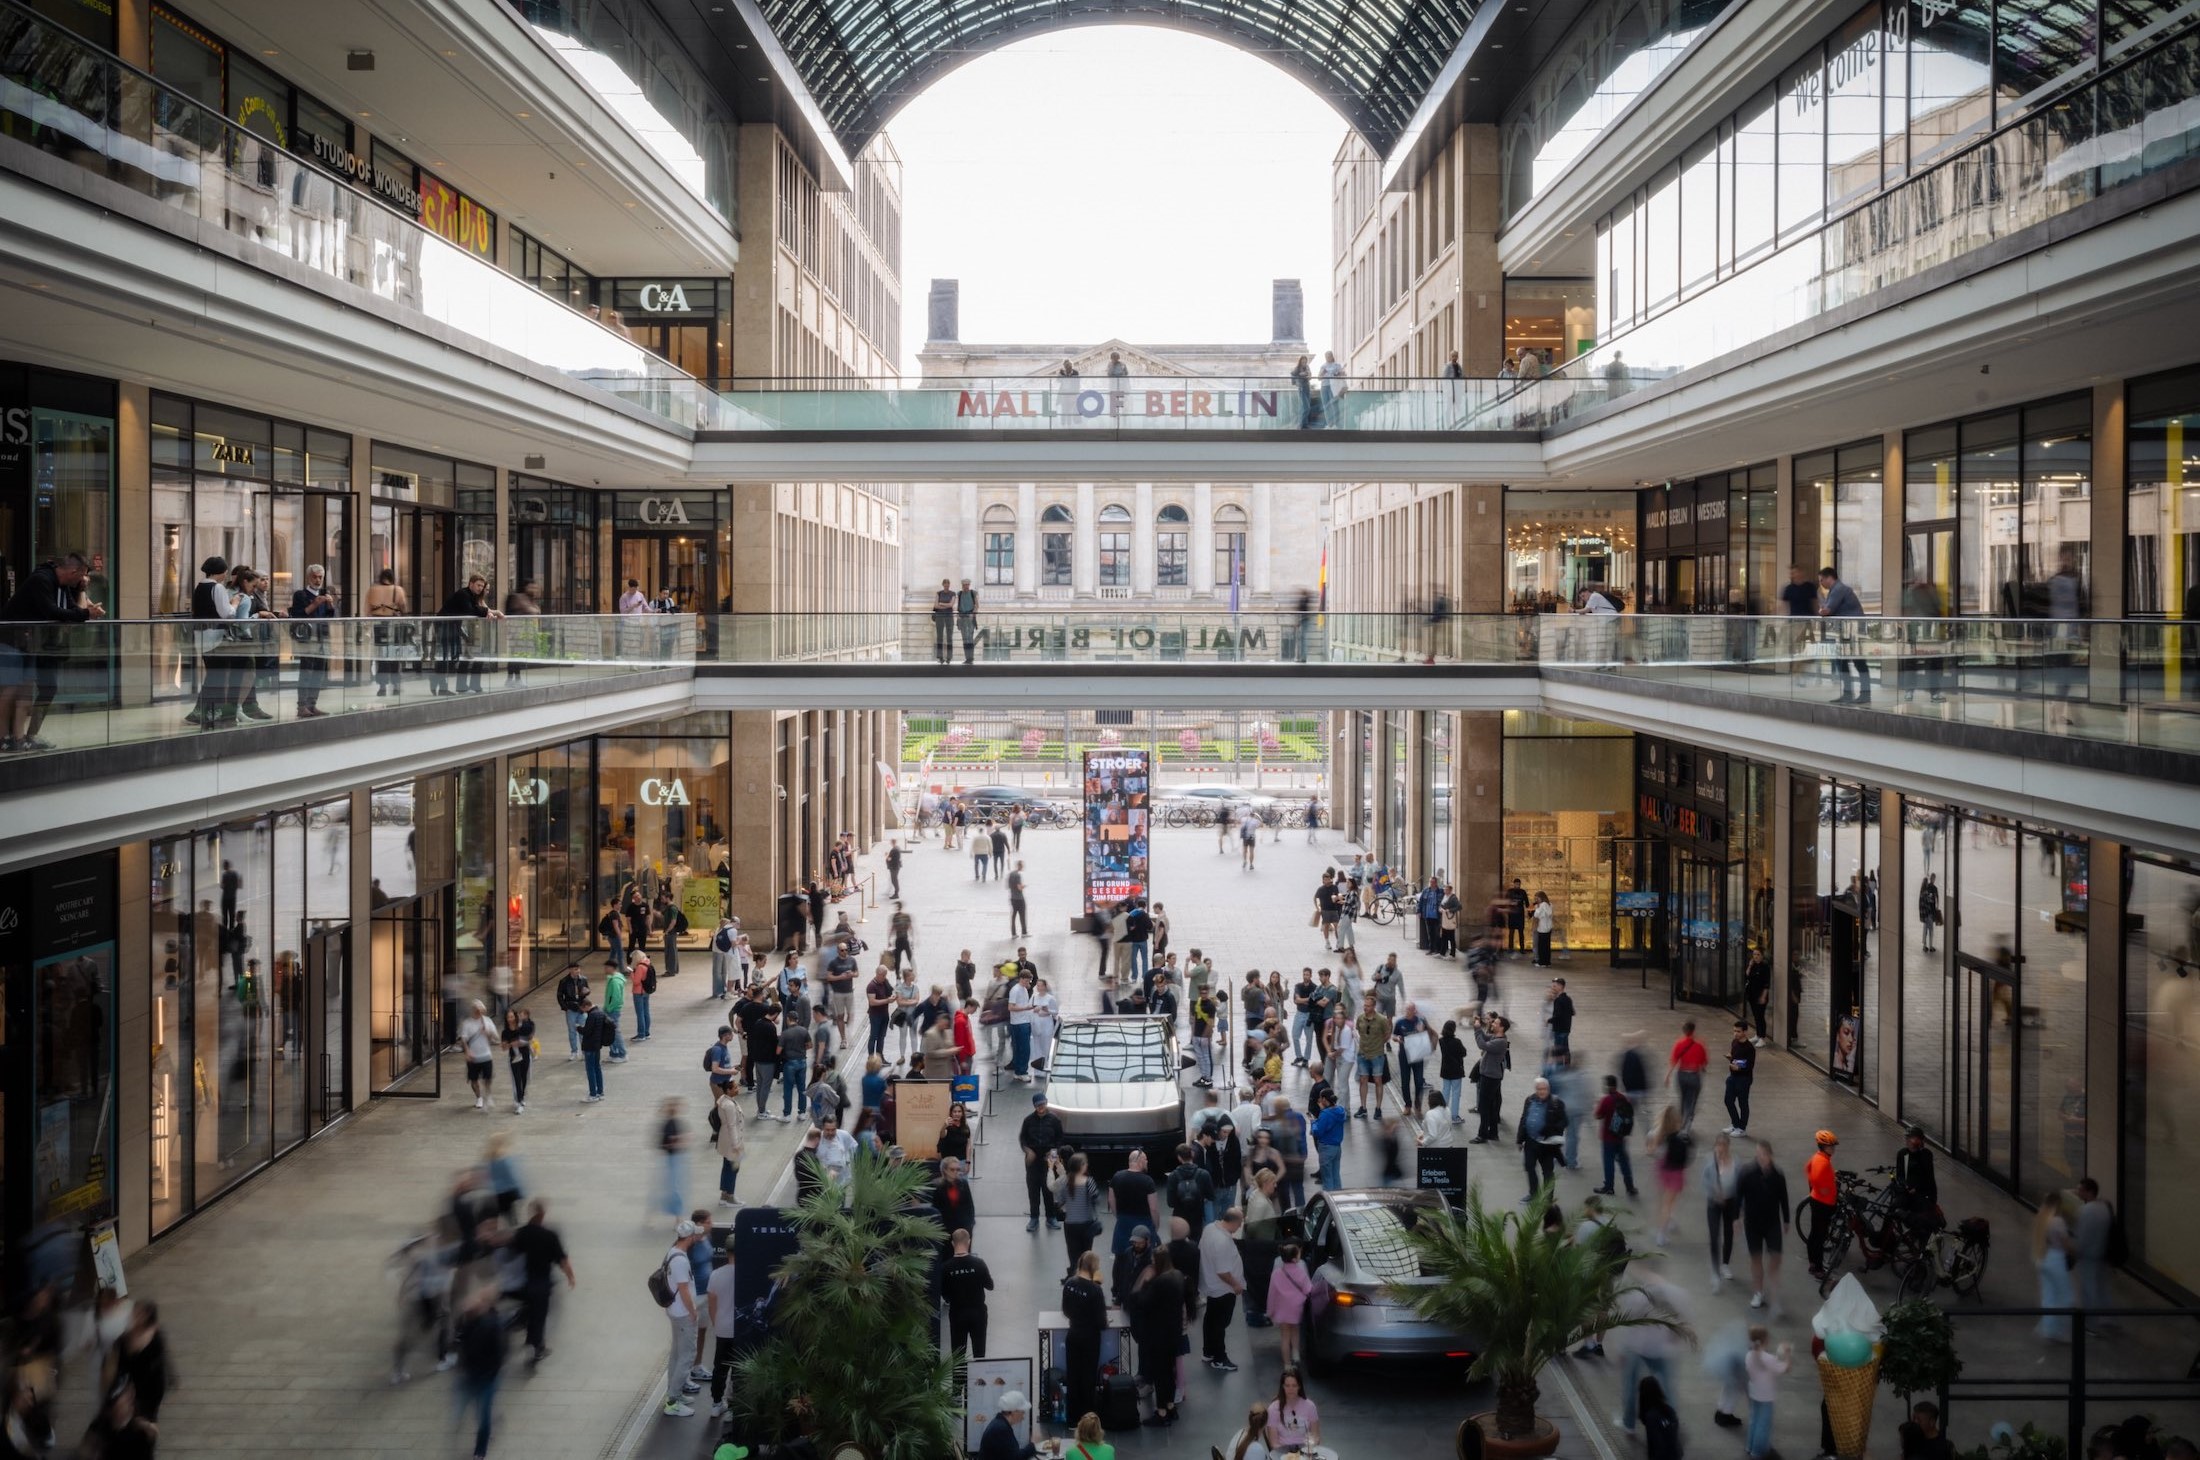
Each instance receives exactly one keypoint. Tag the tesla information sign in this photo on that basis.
(1118, 826)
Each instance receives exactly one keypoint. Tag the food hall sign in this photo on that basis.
(1098, 404)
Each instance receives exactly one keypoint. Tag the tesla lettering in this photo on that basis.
(664, 793)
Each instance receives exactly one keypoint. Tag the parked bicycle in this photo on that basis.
(1873, 1220)
(1952, 1258)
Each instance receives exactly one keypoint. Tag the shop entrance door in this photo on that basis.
(1982, 1072)
(407, 998)
(682, 565)
(328, 1008)
(1699, 943)
(1639, 873)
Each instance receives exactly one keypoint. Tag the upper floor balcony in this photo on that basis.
(76, 121)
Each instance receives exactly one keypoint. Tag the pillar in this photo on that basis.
(1477, 861)
(2105, 564)
(1027, 538)
(1384, 754)
(1783, 524)
(1142, 539)
(2104, 1013)
(1203, 538)
(1481, 277)
(969, 565)
(1784, 873)
(134, 38)
(133, 1046)
(1344, 771)
(1891, 507)
(361, 566)
(1257, 576)
(1481, 548)
(359, 956)
(1084, 573)
(759, 875)
(1421, 854)
(504, 576)
(1893, 877)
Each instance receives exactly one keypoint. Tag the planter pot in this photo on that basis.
(1528, 1447)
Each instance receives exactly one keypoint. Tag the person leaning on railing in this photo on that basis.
(52, 593)
(314, 601)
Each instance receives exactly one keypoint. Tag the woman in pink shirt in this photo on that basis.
(1293, 1421)
(1288, 1289)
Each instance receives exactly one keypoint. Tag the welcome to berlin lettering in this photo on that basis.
(1092, 404)
(1223, 643)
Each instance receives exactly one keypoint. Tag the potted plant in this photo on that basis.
(855, 1289)
(1524, 1297)
(1917, 1348)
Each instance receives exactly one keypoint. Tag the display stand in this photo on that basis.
(986, 1380)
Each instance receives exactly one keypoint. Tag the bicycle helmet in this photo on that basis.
(1827, 1138)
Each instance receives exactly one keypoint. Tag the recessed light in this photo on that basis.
(450, 53)
(632, 204)
(269, 51)
(523, 116)
(366, 114)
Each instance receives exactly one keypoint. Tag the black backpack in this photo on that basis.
(1184, 1188)
(1622, 1123)
(660, 1282)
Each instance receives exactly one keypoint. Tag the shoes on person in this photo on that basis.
(254, 712)
(1360, 1114)
(691, 1388)
(717, 1408)
(1054, 1224)
(1634, 1195)
(699, 1374)
(1588, 1351)
(446, 1363)
(1726, 1421)
(519, 1107)
(1032, 1225)
(1717, 1282)
(1263, 1322)
(674, 1409)
(1478, 1140)
(1223, 1364)
(1458, 1120)
(1726, 1270)
(1756, 1300)
(728, 1201)
(399, 1376)
(617, 1059)
(1603, 1190)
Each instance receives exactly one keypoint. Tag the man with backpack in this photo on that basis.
(573, 1003)
(612, 929)
(672, 1286)
(614, 1004)
(1615, 1115)
(1189, 1190)
(718, 1065)
(642, 984)
(725, 957)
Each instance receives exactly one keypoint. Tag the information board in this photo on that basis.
(1118, 826)
(1443, 1169)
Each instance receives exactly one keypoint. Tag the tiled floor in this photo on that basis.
(281, 1312)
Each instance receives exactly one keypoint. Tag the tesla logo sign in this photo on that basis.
(665, 299)
(527, 792)
(664, 512)
(664, 793)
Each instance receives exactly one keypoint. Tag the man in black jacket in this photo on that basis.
(315, 602)
(453, 639)
(1039, 1136)
(964, 1282)
(573, 1003)
(596, 1035)
(1762, 1191)
(52, 593)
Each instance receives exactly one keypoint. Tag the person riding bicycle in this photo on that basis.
(1916, 1189)
(1825, 1187)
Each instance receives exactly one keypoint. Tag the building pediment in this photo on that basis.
(1139, 362)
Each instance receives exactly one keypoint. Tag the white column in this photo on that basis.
(971, 546)
(1256, 580)
(1027, 538)
(1203, 539)
(1142, 544)
(1085, 546)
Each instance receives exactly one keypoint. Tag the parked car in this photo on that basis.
(1114, 1079)
(1214, 797)
(1358, 1253)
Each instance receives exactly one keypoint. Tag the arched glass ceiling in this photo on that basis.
(1372, 60)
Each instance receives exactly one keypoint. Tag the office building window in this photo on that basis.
(1172, 548)
(1000, 559)
(1115, 547)
(1056, 562)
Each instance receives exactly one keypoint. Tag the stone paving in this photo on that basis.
(281, 1312)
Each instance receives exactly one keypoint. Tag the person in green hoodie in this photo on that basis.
(614, 1005)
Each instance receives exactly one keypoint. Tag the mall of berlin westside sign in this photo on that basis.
(1093, 405)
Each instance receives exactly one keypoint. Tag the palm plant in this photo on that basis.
(1525, 1296)
(852, 1356)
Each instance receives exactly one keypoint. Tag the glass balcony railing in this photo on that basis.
(2132, 121)
(119, 683)
(73, 101)
(1102, 405)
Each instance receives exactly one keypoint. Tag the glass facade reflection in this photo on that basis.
(1839, 505)
(1569, 798)
(1556, 542)
(2161, 1150)
(2162, 506)
(1833, 928)
(1997, 514)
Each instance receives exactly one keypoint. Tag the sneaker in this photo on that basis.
(1360, 1114)
(1717, 1282)
(1726, 1421)
(1053, 1225)
(1756, 1300)
(519, 1107)
(1032, 1225)
(699, 1374)
(690, 1389)
(717, 1408)
(1726, 1270)
(446, 1363)
(481, 1102)
(728, 1201)
(1223, 1364)
(674, 1409)
(399, 1376)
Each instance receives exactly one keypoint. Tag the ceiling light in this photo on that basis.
(450, 53)
(366, 114)
(358, 60)
(632, 204)
(523, 116)
(269, 51)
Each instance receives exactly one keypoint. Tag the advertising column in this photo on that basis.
(1118, 829)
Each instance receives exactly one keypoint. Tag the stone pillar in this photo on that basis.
(1421, 853)
(504, 578)
(1084, 570)
(1344, 771)
(971, 544)
(1784, 873)
(1027, 538)
(1783, 527)
(2106, 562)
(1203, 539)
(361, 566)
(1481, 548)
(1887, 1018)
(1382, 816)
(1481, 278)
(132, 1151)
(1891, 508)
(1142, 539)
(753, 821)
(359, 956)
(2104, 1013)
(1259, 573)
(134, 44)
(1477, 855)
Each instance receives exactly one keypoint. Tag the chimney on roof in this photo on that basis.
(944, 311)
(1289, 311)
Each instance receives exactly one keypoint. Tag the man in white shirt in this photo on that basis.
(479, 1036)
(634, 600)
(1221, 1280)
(836, 1150)
(1019, 1030)
(1246, 1117)
(719, 1305)
(682, 1312)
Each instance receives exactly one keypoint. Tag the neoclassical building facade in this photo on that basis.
(1137, 544)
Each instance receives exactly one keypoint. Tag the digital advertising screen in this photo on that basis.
(1118, 826)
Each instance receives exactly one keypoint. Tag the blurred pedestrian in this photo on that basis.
(672, 1142)
(542, 1256)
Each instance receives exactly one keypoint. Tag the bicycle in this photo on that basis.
(1868, 1218)
(1951, 1258)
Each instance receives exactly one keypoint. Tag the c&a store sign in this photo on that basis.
(1094, 404)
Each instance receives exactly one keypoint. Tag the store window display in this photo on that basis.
(660, 836)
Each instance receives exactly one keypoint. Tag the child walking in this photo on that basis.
(1765, 1365)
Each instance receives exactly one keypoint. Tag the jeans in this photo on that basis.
(793, 1075)
(1019, 1043)
(1203, 1055)
(681, 1358)
(1737, 1101)
(641, 1016)
(1656, 1365)
(1719, 1222)
(593, 1059)
(1691, 1087)
(1539, 1160)
(672, 1205)
(1760, 1428)
(728, 1174)
(1615, 1153)
(1413, 1085)
(618, 1037)
(1140, 955)
(876, 1044)
(482, 1393)
(1451, 1098)
(573, 1018)
(1574, 1123)
(1302, 1037)
(1330, 1159)
(767, 1072)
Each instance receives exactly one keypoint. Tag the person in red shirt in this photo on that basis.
(966, 1038)
(1685, 1067)
(1825, 1188)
